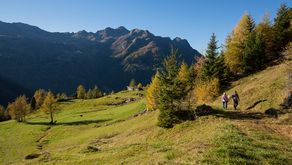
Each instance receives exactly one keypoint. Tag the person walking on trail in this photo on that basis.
(224, 100)
(235, 99)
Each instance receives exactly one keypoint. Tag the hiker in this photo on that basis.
(224, 100)
(235, 99)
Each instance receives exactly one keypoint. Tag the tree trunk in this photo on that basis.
(52, 119)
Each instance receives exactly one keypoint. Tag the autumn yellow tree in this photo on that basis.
(184, 80)
(48, 106)
(206, 91)
(183, 73)
(39, 97)
(19, 108)
(152, 93)
(235, 43)
(81, 93)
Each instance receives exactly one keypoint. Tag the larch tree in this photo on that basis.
(13, 112)
(139, 86)
(81, 93)
(39, 97)
(48, 106)
(90, 94)
(184, 79)
(132, 83)
(235, 44)
(19, 108)
(96, 92)
(152, 93)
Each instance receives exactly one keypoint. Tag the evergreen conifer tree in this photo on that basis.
(264, 28)
(282, 28)
(209, 67)
(253, 54)
(169, 92)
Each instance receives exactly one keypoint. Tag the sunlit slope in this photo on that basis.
(109, 131)
(261, 91)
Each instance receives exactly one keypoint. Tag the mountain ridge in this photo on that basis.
(109, 58)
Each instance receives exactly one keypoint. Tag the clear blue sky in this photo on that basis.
(194, 20)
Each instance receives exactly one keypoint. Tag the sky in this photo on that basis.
(194, 20)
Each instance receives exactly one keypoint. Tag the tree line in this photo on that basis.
(177, 88)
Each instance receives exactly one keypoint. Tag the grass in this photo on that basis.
(17, 139)
(262, 90)
(249, 146)
(105, 131)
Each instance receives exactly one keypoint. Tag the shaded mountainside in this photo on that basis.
(109, 58)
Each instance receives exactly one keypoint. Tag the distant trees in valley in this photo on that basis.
(44, 101)
(93, 93)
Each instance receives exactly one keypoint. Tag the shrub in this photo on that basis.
(203, 110)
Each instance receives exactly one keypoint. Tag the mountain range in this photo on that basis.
(32, 58)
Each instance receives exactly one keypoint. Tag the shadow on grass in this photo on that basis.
(83, 122)
(256, 103)
(238, 115)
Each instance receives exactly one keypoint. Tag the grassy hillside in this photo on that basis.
(262, 90)
(106, 131)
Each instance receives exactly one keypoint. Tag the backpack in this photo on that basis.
(235, 97)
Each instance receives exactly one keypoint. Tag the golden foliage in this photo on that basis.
(39, 97)
(198, 67)
(19, 108)
(235, 44)
(206, 91)
(47, 106)
(183, 74)
(81, 93)
(151, 93)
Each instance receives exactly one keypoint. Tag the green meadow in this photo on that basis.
(112, 130)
